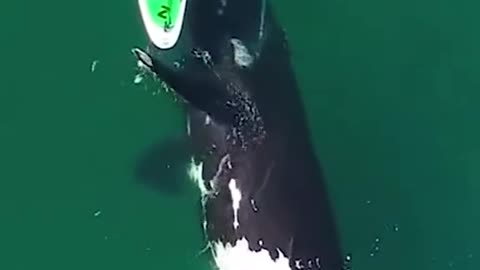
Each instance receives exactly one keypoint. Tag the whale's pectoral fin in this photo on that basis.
(197, 85)
(158, 68)
(183, 83)
(143, 57)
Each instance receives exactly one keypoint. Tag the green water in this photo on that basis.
(392, 94)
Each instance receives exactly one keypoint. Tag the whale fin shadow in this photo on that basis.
(162, 166)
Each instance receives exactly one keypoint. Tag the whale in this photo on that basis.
(265, 204)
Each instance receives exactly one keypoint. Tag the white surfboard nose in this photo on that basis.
(164, 34)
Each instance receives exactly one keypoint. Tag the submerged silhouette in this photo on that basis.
(163, 164)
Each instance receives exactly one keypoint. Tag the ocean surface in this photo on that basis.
(392, 94)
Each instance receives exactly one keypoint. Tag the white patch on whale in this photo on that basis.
(189, 129)
(195, 173)
(297, 264)
(240, 257)
(237, 256)
(241, 55)
(204, 55)
(225, 159)
(223, 4)
(236, 198)
(208, 120)
(262, 21)
(254, 205)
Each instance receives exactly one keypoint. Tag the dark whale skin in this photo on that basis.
(247, 123)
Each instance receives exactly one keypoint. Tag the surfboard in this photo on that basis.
(163, 21)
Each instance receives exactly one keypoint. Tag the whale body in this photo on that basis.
(264, 200)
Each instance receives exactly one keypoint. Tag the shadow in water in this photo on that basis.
(162, 166)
